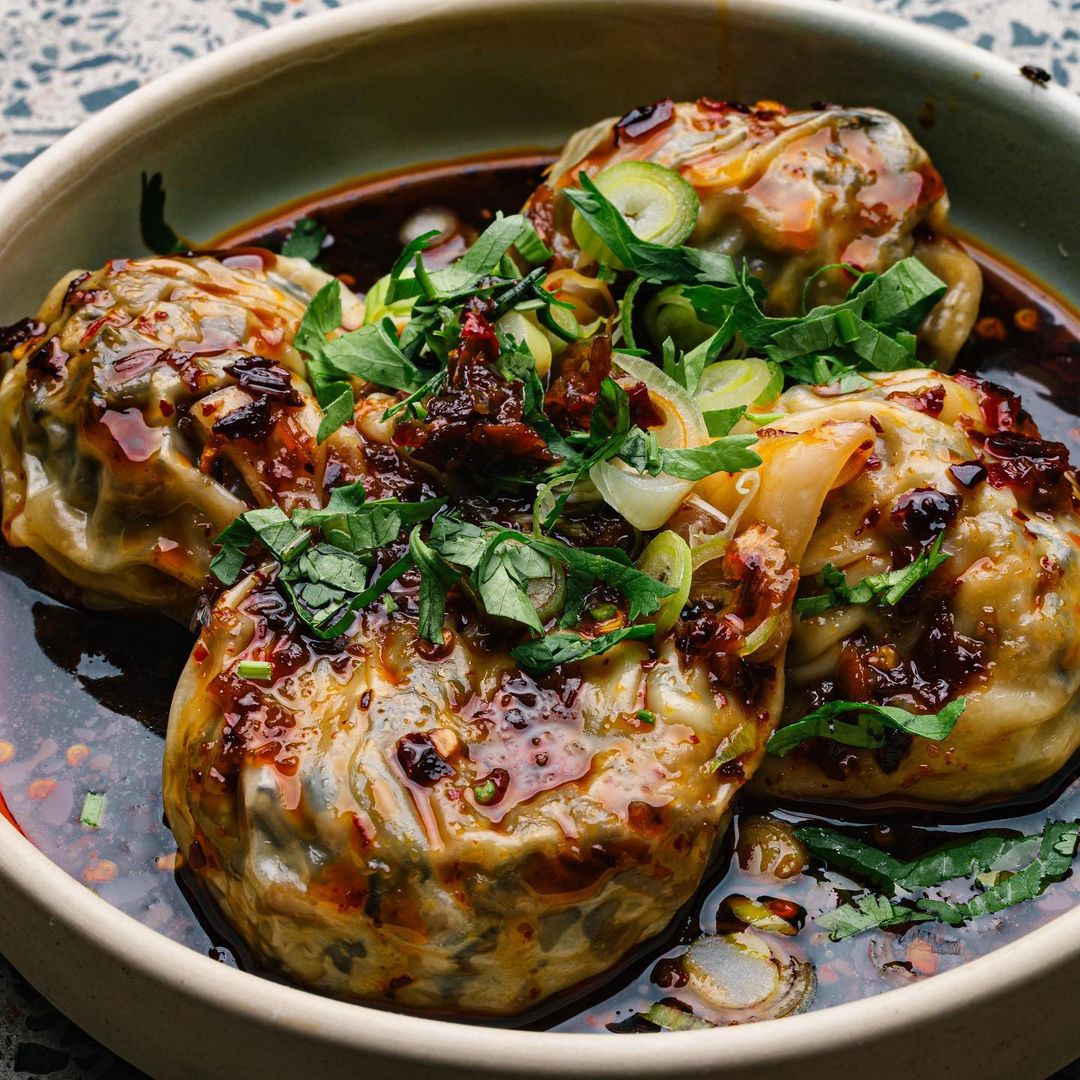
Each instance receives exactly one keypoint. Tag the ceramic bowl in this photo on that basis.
(387, 83)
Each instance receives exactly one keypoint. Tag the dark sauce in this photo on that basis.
(86, 694)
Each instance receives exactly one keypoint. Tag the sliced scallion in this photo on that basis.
(658, 204)
(256, 670)
(93, 808)
(667, 558)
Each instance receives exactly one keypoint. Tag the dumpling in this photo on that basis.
(393, 821)
(791, 192)
(150, 403)
(997, 623)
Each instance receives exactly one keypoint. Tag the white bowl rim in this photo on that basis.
(420, 1039)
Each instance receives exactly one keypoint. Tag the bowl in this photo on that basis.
(385, 84)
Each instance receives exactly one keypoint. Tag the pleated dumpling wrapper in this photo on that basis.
(383, 819)
(951, 463)
(791, 192)
(150, 403)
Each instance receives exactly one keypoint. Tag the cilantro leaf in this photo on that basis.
(457, 541)
(336, 411)
(305, 241)
(157, 234)
(718, 422)
(867, 731)
(437, 578)
(326, 588)
(372, 354)
(1056, 852)
(501, 577)
(852, 856)
(352, 523)
(271, 526)
(643, 591)
(608, 428)
(887, 589)
(728, 454)
(871, 329)
(398, 288)
(866, 913)
(904, 295)
(547, 653)
(503, 561)
(322, 317)
(960, 859)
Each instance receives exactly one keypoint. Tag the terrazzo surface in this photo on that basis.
(64, 60)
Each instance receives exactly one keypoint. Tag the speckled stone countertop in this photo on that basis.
(61, 60)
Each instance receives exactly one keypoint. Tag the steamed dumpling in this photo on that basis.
(150, 403)
(390, 821)
(998, 623)
(791, 192)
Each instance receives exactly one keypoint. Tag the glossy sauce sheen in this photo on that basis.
(86, 694)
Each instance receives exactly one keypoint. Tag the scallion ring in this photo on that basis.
(657, 203)
(728, 384)
(667, 558)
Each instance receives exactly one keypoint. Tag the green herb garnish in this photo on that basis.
(305, 241)
(160, 237)
(731, 453)
(1056, 848)
(547, 653)
(328, 581)
(869, 726)
(866, 912)
(886, 589)
(654, 262)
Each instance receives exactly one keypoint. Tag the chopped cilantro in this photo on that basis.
(305, 241)
(887, 589)
(547, 653)
(868, 727)
(157, 234)
(1056, 848)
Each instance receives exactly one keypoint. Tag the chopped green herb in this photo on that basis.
(868, 728)
(305, 241)
(731, 453)
(955, 859)
(866, 912)
(437, 578)
(160, 237)
(256, 670)
(321, 318)
(887, 589)
(1055, 856)
(645, 716)
(654, 262)
(271, 527)
(870, 330)
(1056, 848)
(719, 422)
(373, 355)
(547, 653)
(93, 809)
